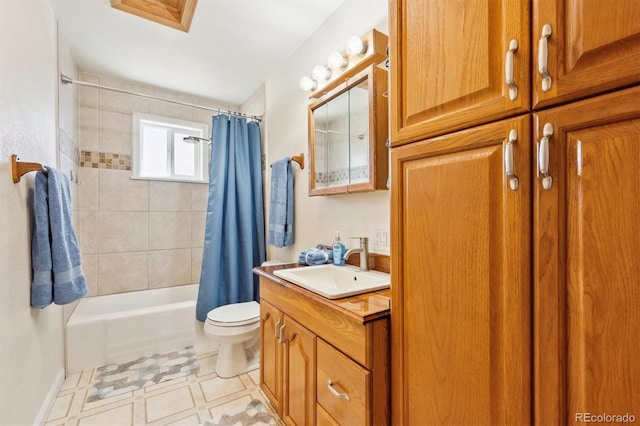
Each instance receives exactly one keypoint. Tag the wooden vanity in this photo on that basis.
(323, 361)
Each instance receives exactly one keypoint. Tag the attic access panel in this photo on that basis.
(172, 13)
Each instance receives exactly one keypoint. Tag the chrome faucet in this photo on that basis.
(364, 253)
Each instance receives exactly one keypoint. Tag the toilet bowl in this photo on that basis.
(236, 327)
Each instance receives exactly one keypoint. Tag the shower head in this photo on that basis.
(195, 139)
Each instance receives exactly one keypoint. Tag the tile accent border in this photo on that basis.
(105, 160)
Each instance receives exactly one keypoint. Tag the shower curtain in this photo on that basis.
(234, 233)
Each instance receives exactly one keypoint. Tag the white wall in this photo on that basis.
(285, 130)
(32, 358)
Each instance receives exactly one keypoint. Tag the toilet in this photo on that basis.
(236, 327)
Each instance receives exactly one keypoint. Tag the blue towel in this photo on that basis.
(55, 254)
(316, 256)
(281, 207)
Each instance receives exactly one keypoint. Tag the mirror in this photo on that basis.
(347, 135)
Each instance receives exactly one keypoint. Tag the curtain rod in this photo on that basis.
(68, 80)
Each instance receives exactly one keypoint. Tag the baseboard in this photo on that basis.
(43, 414)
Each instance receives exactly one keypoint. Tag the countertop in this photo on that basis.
(362, 307)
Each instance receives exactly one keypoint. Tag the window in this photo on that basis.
(161, 153)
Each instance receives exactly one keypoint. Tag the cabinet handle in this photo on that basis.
(276, 331)
(508, 70)
(284, 324)
(543, 58)
(508, 160)
(543, 156)
(335, 392)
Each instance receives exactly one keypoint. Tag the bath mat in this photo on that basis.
(254, 414)
(116, 379)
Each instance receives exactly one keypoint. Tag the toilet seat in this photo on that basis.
(234, 315)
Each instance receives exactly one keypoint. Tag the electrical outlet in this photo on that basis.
(381, 239)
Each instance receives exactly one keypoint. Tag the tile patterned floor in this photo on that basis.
(189, 400)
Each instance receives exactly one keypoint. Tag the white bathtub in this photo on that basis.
(122, 327)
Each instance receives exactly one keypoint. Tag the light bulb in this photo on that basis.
(336, 61)
(320, 73)
(307, 83)
(355, 46)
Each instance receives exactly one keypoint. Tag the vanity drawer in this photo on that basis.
(348, 380)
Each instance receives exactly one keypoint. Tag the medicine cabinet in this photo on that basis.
(348, 130)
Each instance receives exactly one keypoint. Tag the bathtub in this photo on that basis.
(122, 327)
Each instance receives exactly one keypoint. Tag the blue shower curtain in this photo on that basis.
(234, 235)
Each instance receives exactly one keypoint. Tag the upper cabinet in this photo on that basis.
(582, 48)
(348, 119)
(456, 65)
(347, 136)
(459, 64)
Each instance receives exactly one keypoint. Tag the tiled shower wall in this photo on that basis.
(135, 234)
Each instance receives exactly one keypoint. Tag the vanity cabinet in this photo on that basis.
(460, 64)
(288, 366)
(324, 361)
(507, 298)
(348, 129)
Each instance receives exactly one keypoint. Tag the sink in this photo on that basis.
(334, 282)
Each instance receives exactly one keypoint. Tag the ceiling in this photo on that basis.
(229, 51)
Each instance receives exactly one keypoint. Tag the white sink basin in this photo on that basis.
(334, 282)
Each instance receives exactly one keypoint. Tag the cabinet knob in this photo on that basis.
(543, 58)
(508, 70)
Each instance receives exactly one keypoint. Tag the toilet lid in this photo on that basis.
(235, 314)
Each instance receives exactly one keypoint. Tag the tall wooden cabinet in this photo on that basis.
(515, 303)
(586, 271)
(461, 284)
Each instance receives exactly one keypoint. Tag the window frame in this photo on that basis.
(201, 151)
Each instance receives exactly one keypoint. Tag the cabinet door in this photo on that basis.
(593, 46)
(271, 354)
(460, 311)
(586, 261)
(448, 64)
(299, 374)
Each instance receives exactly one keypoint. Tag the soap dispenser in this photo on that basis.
(338, 251)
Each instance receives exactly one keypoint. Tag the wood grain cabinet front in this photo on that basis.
(461, 321)
(322, 364)
(288, 368)
(342, 387)
(586, 274)
(458, 64)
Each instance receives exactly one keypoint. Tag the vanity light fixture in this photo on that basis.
(335, 61)
(355, 45)
(320, 73)
(307, 83)
(359, 54)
